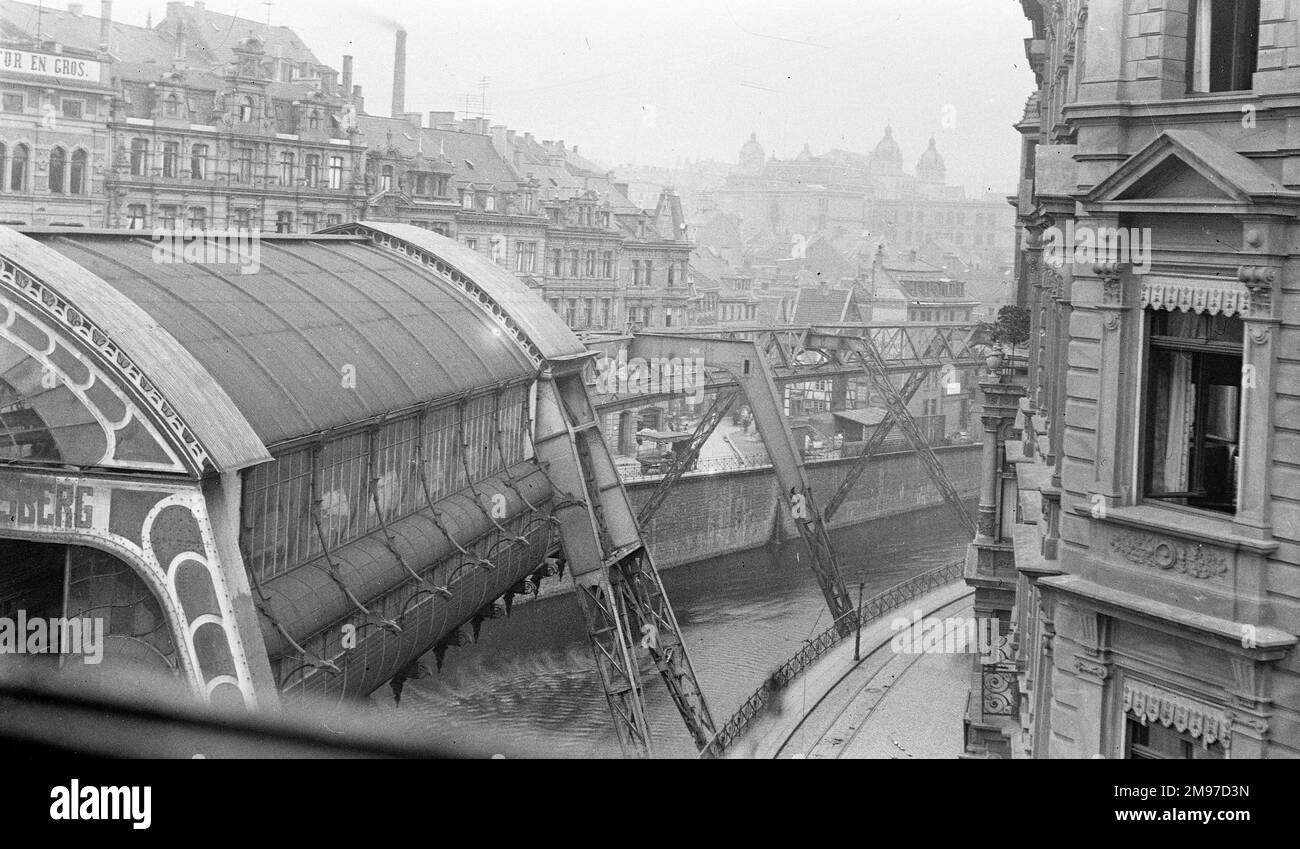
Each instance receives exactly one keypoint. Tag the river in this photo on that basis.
(529, 685)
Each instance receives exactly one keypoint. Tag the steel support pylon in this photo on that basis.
(626, 611)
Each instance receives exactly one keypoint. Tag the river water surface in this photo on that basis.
(529, 685)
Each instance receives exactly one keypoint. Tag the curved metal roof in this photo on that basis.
(329, 330)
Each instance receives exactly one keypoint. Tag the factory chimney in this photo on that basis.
(105, 23)
(399, 75)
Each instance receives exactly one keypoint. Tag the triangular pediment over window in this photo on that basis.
(1189, 171)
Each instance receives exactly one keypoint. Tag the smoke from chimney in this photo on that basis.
(399, 75)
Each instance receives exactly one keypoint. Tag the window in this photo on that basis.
(198, 161)
(244, 165)
(313, 120)
(172, 106)
(284, 222)
(570, 312)
(139, 157)
(310, 222)
(136, 216)
(591, 263)
(18, 169)
(386, 178)
(336, 172)
(73, 109)
(607, 266)
(167, 216)
(472, 244)
(575, 263)
(243, 218)
(286, 168)
(197, 218)
(467, 200)
(649, 273)
(11, 102)
(58, 162)
(1192, 409)
(490, 203)
(1154, 741)
(672, 276)
(171, 159)
(333, 219)
(1224, 45)
(421, 187)
(311, 170)
(604, 312)
(636, 272)
(525, 256)
(246, 110)
(76, 174)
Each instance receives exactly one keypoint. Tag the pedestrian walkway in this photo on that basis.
(889, 705)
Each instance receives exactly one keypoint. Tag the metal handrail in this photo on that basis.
(870, 610)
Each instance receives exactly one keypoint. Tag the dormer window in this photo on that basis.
(490, 203)
(172, 105)
(467, 200)
(386, 179)
(246, 110)
(1223, 46)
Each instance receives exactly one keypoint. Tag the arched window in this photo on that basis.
(172, 105)
(77, 174)
(18, 169)
(58, 162)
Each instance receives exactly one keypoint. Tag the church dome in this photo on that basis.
(930, 166)
(752, 156)
(888, 150)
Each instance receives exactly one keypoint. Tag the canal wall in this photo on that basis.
(717, 514)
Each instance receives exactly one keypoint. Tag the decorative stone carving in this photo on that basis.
(1259, 280)
(1149, 703)
(1094, 669)
(1194, 560)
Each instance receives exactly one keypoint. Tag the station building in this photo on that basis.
(290, 473)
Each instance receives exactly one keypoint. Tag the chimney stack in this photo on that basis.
(399, 75)
(346, 83)
(105, 23)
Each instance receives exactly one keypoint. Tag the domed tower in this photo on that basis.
(930, 168)
(752, 157)
(887, 157)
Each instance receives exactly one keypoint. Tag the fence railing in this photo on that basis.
(871, 610)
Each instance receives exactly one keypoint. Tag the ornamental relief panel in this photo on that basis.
(1192, 559)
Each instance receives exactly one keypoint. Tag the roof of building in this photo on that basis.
(327, 331)
(868, 417)
(472, 155)
(824, 305)
(140, 43)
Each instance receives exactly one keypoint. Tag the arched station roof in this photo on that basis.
(323, 332)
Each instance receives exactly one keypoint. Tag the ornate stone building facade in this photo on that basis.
(1148, 541)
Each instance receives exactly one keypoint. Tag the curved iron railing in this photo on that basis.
(871, 610)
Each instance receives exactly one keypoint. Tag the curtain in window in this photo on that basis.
(1175, 405)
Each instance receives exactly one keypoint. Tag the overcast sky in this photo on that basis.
(654, 82)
